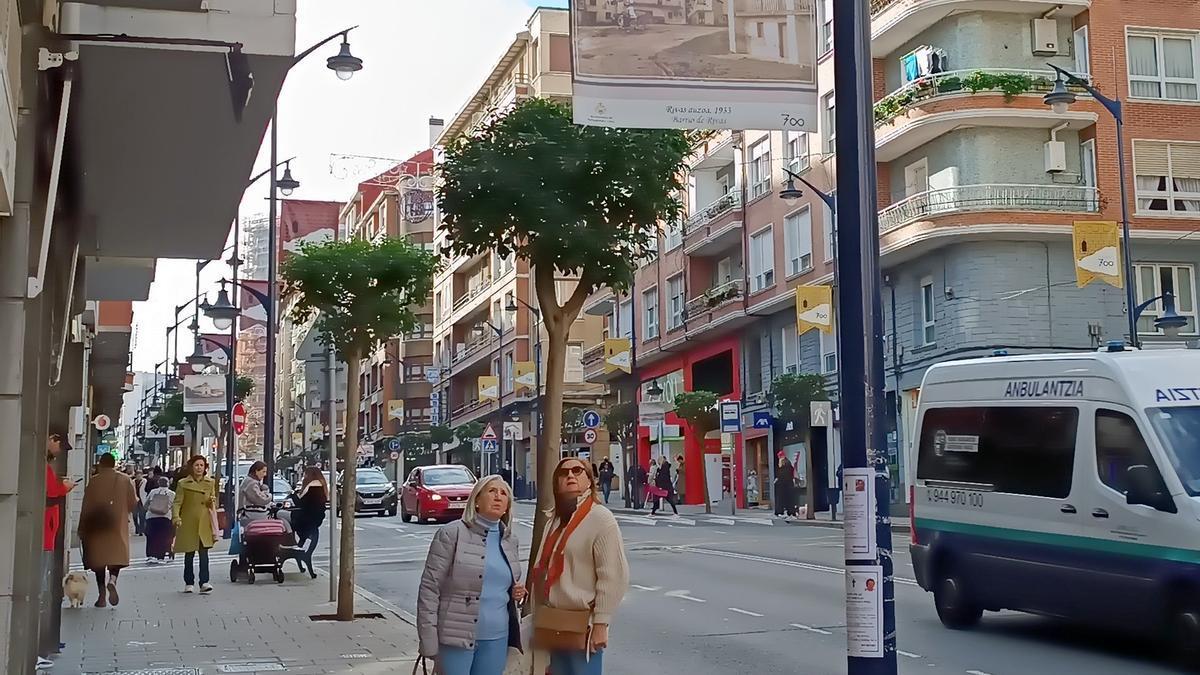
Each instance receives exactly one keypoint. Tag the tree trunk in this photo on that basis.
(345, 591)
(704, 469)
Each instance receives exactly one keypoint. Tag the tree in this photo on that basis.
(621, 422)
(573, 201)
(572, 423)
(792, 396)
(699, 410)
(362, 293)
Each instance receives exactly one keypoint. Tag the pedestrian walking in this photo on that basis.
(680, 479)
(158, 503)
(254, 495)
(108, 501)
(139, 511)
(785, 484)
(308, 512)
(194, 516)
(665, 487)
(581, 574)
(471, 587)
(606, 474)
(56, 493)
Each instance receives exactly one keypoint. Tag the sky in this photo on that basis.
(422, 59)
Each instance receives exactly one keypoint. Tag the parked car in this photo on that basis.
(280, 490)
(374, 492)
(436, 492)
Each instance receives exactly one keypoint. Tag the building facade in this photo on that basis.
(485, 322)
(979, 183)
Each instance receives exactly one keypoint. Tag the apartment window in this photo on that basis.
(928, 315)
(797, 241)
(790, 350)
(651, 232)
(675, 302)
(760, 167)
(826, 26)
(829, 360)
(625, 319)
(1083, 62)
(828, 230)
(510, 316)
(1154, 279)
(672, 236)
(1167, 177)
(508, 370)
(437, 307)
(796, 150)
(1162, 65)
(650, 314)
(762, 259)
(754, 364)
(829, 106)
(574, 369)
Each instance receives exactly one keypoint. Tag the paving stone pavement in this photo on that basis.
(242, 628)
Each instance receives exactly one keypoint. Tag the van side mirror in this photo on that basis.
(1146, 487)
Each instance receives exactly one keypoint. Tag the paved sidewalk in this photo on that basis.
(261, 628)
(751, 516)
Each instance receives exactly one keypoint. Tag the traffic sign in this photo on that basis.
(393, 445)
(103, 448)
(239, 418)
(731, 417)
(433, 374)
(489, 433)
(821, 413)
(762, 420)
(395, 455)
(589, 436)
(591, 419)
(512, 431)
(102, 422)
(490, 446)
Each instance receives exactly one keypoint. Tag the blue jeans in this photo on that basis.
(488, 658)
(576, 663)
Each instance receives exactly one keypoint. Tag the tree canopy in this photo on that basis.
(792, 395)
(697, 408)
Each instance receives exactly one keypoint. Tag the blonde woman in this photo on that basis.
(581, 574)
(467, 605)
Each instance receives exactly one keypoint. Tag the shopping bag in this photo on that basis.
(522, 663)
(235, 540)
(421, 666)
(214, 523)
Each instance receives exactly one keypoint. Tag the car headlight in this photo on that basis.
(435, 497)
(391, 489)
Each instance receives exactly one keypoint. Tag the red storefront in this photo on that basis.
(713, 366)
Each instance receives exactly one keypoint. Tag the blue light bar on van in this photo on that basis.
(999, 352)
(1115, 346)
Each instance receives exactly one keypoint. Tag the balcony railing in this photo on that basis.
(472, 293)
(1008, 81)
(715, 298)
(878, 6)
(994, 197)
(720, 207)
(472, 348)
(744, 7)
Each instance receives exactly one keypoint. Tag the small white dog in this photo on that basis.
(75, 586)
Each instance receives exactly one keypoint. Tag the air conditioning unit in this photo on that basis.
(1045, 37)
(1056, 156)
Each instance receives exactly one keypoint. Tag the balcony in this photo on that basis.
(600, 302)
(989, 197)
(471, 410)
(469, 353)
(895, 22)
(747, 8)
(475, 290)
(696, 226)
(593, 363)
(716, 303)
(716, 153)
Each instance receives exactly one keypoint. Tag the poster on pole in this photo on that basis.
(858, 493)
(715, 64)
(864, 611)
(204, 394)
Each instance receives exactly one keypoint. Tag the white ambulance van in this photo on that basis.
(1065, 485)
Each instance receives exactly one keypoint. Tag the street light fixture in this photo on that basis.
(1060, 98)
(654, 389)
(198, 357)
(344, 63)
(222, 312)
(287, 184)
(1170, 322)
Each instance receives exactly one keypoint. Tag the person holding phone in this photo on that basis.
(471, 587)
(193, 515)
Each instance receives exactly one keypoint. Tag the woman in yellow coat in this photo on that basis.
(193, 513)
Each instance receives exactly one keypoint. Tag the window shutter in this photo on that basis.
(1185, 160)
(1150, 158)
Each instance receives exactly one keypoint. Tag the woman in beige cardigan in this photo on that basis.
(581, 574)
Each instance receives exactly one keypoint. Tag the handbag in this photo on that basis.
(561, 629)
(421, 663)
(213, 522)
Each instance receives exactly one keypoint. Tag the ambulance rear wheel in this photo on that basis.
(954, 605)
(1185, 636)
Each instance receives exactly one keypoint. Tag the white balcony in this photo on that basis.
(895, 22)
(989, 197)
(720, 207)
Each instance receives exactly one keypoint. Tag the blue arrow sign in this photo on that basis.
(591, 419)
(762, 420)
(394, 444)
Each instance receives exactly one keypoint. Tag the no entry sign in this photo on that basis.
(239, 418)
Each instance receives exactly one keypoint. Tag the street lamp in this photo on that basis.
(1170, 322)
(198, 358)
(344, 63)
(222, 312)
(287, 184)
(1060, 99)
(790, 193)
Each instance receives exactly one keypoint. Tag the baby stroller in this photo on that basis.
(263, 542)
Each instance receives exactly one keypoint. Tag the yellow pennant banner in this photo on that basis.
(1097, 253)
(618, 355)
(814, 309)
(395, 410)
(489, 388)
(525, 377)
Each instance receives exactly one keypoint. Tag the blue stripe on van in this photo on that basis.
(1127, 548)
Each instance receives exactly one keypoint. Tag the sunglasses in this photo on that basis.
(573, 470)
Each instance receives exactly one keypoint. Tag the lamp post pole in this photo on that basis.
(870, 599)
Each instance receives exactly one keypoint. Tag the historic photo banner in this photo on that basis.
(695, 64)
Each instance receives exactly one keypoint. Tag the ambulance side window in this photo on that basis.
(1119, 445)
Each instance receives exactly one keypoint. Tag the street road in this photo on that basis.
(737, 595)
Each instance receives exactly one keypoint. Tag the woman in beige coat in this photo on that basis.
(108, 501)
(193, 515)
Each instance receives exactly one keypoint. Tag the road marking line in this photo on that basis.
(640, 520)
(977, 672)
(721, 521)
(810, 629)
(683, 595)
(746, 612)
(910, 655)
(646, 588)
(785, 563)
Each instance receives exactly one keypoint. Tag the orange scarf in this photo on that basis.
(553, 558)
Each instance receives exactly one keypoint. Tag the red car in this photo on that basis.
(437, 492)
